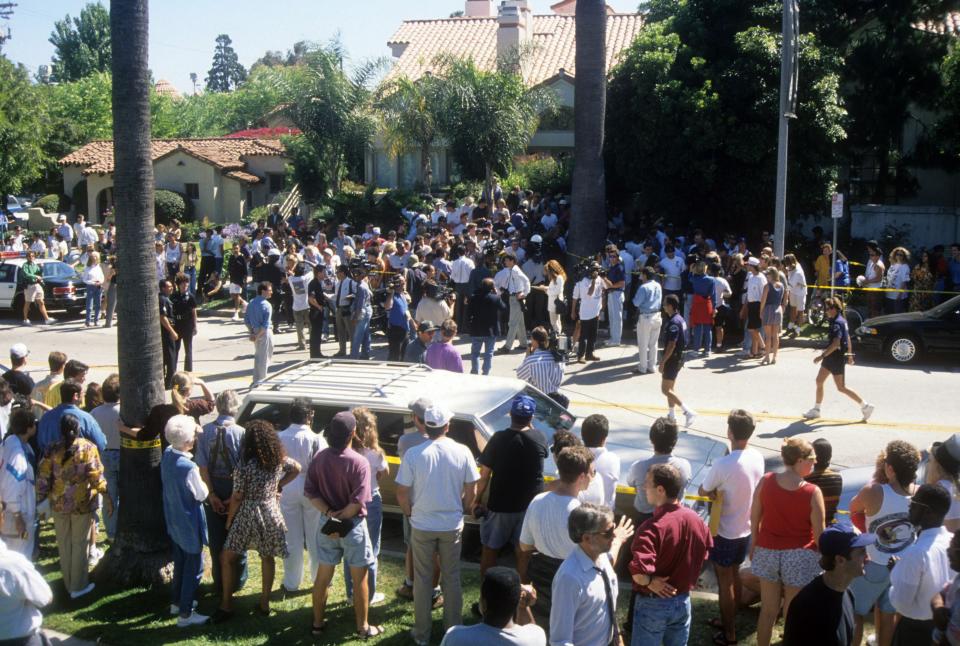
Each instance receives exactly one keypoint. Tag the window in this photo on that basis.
(58, 270)
(276, 182)
(8, 273)
(192, 191)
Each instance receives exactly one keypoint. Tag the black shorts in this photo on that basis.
(753, 316)
(835, 366)
(671, 369)
(727, 552)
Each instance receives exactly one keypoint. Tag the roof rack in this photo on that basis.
(344, 376)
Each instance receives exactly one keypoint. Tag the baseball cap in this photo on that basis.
(753, 261)
(327, 252)
(436, 417)
(18, 351)
(376, 230)
(838, 540)
(523, 406)
(427, 326)
(947, 453)
(419, 406)
(536, 238)
(341, 426)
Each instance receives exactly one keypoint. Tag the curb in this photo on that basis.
(66, 640)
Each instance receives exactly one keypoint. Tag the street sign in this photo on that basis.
(836, 206)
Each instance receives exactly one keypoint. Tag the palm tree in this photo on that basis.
(588, 226)
(410, 119)
(140, 552)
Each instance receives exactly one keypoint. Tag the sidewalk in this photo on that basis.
(66, 640)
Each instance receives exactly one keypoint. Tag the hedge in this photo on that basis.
(53, 203)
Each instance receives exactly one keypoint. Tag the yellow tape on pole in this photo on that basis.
(127, 443)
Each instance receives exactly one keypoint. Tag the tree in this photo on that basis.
(588, 226)
(334, 112)
(22, 129)
(140, 552)
(692, 116)
(226, 74)
(410, 118)
(487, 118)
(81, 45)
(276, 58)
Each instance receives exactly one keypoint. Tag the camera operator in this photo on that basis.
(587, 302)
(514, 285)
(436, 303)
(399, 320)
(542, 368)
(614, 282)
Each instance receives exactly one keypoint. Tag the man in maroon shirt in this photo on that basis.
(338, 484)
(668, 553)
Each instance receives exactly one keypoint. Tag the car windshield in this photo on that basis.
(550, 416)
(945, 308)
(58, 270)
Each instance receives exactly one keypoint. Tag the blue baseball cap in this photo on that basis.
(838, 540)
(523, 406)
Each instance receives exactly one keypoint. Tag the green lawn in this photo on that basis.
(139, 616)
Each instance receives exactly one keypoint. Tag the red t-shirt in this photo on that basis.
(785, 523)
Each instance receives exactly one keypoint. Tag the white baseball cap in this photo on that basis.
(436, 417)
(19, 351)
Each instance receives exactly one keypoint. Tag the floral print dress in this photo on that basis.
(258, 524)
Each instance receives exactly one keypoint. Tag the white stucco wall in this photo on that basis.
(175, 171)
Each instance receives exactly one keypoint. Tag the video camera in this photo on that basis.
(586, 267)
(359, 267)
(437, 291)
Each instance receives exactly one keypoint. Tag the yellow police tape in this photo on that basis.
(620, 488)
(880, 289)
(127, 443)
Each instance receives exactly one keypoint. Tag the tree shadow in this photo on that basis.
(800, 427)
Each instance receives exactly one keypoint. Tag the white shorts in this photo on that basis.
(798, 299)
(33, 293)
(236, 289)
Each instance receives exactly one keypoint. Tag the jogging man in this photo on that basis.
(672, 360)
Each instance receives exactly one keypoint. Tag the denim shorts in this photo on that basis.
(795, 568)
(354, 549)
(727, 552)
(499, 528)
(872, 589)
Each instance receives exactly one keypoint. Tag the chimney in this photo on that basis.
(514, 26)
(479, 9)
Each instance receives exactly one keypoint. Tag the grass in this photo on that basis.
(119, 616)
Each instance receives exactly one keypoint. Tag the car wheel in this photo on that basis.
(903, 348)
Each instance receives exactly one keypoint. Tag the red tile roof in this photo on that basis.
(950, 24)
(553, 43)
(223, 153)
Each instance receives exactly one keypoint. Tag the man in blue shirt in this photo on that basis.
(672, 361)
(648, 300)
(614, 283)
(257, 319)
(48, 432)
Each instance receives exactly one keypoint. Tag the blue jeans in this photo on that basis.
(615, 315)
(703, 337)
(374, 524)
(360, 344)
(93, 303)
(187, 572)
(111, 472)
(659, 621)
(191, 273)
(487, 342)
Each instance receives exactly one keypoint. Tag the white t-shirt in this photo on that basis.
(545, 524)
(607, 465)
(735, 475)
(954, 512)
(672, 269)
(378, 464)
(797, 282)
(898, 276)
(436, 472)
(590, 304)
(721, 287)
(299, 286)
(528, 635)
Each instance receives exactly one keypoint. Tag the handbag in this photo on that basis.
(560, 306)
(339, 526)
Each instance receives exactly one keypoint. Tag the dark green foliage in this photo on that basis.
(226, 73)
(81, 45)
(53, 203)
(169, 205)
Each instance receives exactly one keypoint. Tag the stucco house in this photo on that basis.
(225, 177)
(548, 46)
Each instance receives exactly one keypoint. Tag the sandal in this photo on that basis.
(720, 639)
(318, 630)
(370, 631)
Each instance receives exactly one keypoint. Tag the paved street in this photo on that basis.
(917, 404)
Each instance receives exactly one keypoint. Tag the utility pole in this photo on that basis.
(6, 10)
(789, 68)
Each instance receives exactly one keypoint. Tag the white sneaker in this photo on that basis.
(378, 598)
(867, 410)
(80, 593)
(672, 416)
(175, 609)
(195, 619)
(813, 413)
(689, 416)
(236, 317)
(94, 555)
(27, 322)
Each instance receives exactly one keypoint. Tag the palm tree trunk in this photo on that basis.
(426, 169)
(588, 225)
(140, 553)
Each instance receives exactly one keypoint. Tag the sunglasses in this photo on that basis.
(607, 534)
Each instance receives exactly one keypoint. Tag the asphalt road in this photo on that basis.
(919, 404)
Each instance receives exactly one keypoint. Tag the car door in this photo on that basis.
(943, 334)
(8, 285)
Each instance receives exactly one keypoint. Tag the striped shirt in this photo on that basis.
(541, 370)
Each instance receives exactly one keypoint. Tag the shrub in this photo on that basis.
(541, 175)
(52, 203)
(461, 190)
(169, 205)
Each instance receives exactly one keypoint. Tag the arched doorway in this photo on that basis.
(104, 203)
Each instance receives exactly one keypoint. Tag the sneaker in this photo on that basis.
(27, 322)
(405, 591)
(378, 598)
(80, 593)
(437, 601)
(195, 619)
(94, 555)
(867, 410)
(235, 317)
(689, 416)
(175, 609)
(49, 321)
(672, 416)
(813, 413)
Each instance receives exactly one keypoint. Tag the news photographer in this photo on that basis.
(436, 303)
(587, 302)
(399, 321)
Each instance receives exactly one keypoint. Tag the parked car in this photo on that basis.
(14, 205)
(26, 201)
(906, 337)
(62, 287)
(480, 407)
